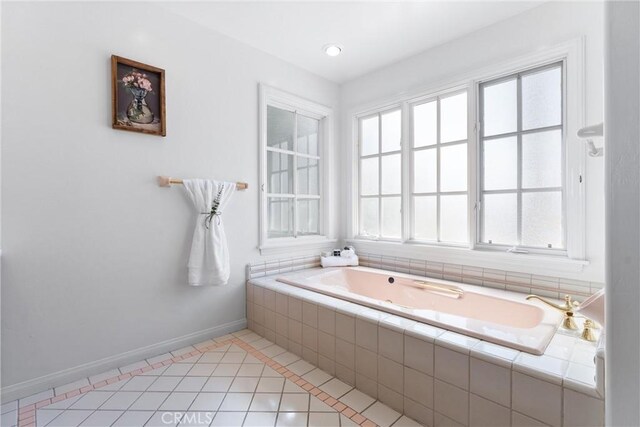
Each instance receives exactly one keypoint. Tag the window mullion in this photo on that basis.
(379, 175)
(438, 205)
(295, 174)
(519, 157)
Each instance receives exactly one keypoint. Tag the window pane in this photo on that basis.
(308, 176)
(308, 211)
(369, 176)
(308, 135)
(500, 216)
(542, 219)
(500, 107)
(280, 128)
(453, 168)
(453, 219)
(425, 217)
(453, 118)
(542, 159)
(425, 171)
(391, 217)
(425, 124)
(391, 131)
(500, 164)
(542, 98)
(280, 173)
(280, 217)
(370, 136)
(369, 219)
(391, 174)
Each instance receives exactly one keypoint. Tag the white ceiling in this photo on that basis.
(374, 34)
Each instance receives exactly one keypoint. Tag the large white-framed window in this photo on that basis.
(547, 161)
(294, 139)
(380, 182)
(439, 163)
(522, 161)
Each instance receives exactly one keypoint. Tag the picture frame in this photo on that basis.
(138, 97)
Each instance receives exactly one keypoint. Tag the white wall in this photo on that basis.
(543, 27)
(622, 130)
(94, 253)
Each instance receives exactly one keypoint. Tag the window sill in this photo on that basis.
(524, 263)
(290, 244)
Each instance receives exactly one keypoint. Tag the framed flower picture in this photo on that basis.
(138, 99)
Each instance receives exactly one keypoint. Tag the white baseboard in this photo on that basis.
(56, 379)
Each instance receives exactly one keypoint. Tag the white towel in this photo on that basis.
(209, 258)
(339, 261)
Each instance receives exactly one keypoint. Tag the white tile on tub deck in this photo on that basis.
(582, 411)
(391, 344)
(543, 367)
(494, 353)
(346, 327)
(418, 387)
(326, 320)
(367, 334)
(483, 412)
(457, 342)
(490, 381)
(418, 354)
(452, 367)
(451, 401)
(424, 332)
(537, 398)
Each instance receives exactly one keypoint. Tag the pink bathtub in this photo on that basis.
(501, 317)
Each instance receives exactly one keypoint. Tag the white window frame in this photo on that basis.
(572, 260)
(437, 146)
(519, 191)
(270, 96)
(379, 155)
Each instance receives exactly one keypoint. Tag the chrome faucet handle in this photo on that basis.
(567, 308)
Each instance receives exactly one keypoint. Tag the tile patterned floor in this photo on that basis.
(240, 379)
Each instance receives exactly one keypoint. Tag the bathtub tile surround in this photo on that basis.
(439, 377)
(552, 287)
(253, 382)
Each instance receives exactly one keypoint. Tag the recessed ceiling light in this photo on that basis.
(332, 49)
